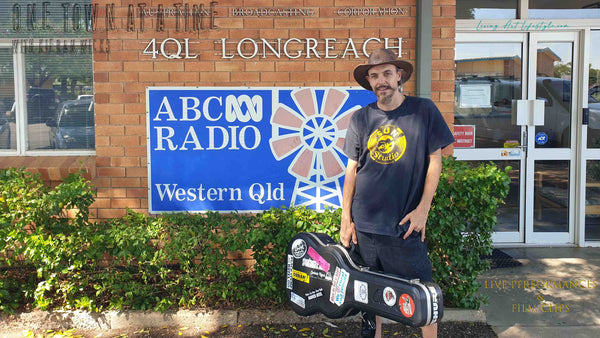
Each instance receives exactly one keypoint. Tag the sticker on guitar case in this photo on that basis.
(301, 276)
(407, 305)
(338, 286)
(314, 294)
(299, 248)
(309, 263)
(361, 292)
(320, 260)
(290, 267)
(389, 296)
(434, 300)
(297, 300)
(320, 275)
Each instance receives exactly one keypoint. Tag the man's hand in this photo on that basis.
(418, 217)
(418, 221)
(347, 231)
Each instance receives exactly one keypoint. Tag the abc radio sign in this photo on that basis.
(224, 149)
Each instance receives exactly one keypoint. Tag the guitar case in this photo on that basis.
(322, 278)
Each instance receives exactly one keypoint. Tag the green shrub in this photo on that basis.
(459, 228)
(136, 272)
(38, 235)
(186, 260)
(204, 245)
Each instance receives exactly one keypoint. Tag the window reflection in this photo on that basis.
(560, 9)
(554, 87)
(59, 88)
(74, 125)
(488, 78)
(593, 138)
(592, 201)
(551, 196)
(7, 99)
(486, 9)
(30, 19)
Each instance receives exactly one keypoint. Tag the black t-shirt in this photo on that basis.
(392, 150)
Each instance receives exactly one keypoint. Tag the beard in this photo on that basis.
(384, 94)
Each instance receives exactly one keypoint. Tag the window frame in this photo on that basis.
(20, 91)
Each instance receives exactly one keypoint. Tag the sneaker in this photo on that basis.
(368, 328)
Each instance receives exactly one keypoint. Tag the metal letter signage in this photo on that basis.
(247, 149)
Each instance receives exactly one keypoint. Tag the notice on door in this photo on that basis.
(475, 95)
(464, 136)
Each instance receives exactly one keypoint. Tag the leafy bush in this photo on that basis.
(38, 234)
(459, 228)
(204, 245)
(51, 259)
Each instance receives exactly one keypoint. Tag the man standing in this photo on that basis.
(394, 164)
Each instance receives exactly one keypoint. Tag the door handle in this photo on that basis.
(523, 145)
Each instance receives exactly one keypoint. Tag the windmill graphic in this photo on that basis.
(314, 134)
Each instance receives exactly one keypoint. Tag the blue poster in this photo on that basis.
(247, 149)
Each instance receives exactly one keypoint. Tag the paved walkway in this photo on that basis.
(555, 293)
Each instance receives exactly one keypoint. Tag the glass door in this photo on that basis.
(591, 147)
(550, 160)
(490, 70)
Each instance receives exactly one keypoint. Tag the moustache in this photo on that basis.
(383, 87)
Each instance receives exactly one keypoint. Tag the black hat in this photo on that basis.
(377, 58)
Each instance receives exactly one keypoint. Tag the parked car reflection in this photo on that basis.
(74, 125)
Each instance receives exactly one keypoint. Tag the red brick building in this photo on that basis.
(55, 55)
(121, 70)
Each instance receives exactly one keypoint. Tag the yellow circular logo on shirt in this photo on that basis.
(387, 144)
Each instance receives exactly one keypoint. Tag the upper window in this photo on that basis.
(538, 9)
(7, 98)
(44, 18)
(561, 9)
(46, 77)
(486, 9)
(56, 83)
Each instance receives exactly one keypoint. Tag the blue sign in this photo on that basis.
(247, 149)
(541, 138)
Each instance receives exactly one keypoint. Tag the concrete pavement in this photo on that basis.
(14, 326)
(555, 293)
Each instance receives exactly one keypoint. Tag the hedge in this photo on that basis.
(52, 256)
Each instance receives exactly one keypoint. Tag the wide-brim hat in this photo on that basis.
(381, 57)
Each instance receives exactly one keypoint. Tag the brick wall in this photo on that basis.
(122, 74)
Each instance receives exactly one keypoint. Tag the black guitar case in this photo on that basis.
(322, 277)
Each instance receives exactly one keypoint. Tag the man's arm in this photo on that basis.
(418, 217)
(347, 229)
